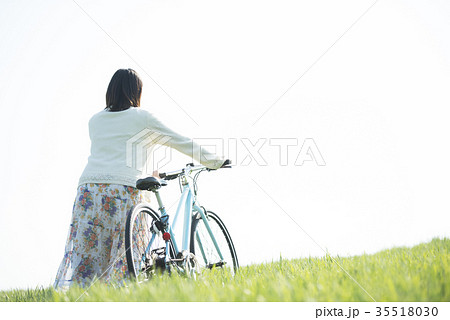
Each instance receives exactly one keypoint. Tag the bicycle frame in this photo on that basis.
(191, 208)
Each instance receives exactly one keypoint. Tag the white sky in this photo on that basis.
(376, 104)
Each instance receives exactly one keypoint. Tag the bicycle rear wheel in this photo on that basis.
(203, 247)
(145, 248)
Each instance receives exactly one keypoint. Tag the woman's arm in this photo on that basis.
(183, 144)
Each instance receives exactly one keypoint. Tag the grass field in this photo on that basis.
(421, 273)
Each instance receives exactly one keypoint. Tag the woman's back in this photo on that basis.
(109, 133)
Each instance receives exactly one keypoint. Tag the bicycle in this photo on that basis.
(150, 241)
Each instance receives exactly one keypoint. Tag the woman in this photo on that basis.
(107, 187)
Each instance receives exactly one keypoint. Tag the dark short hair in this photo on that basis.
(124, 90)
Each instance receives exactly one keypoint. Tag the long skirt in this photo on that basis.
(95, 247)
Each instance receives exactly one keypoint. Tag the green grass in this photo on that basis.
(420, 273)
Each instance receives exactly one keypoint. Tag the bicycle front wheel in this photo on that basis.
(202, 244)
(145, 247)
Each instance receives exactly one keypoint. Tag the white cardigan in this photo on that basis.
(115, 138)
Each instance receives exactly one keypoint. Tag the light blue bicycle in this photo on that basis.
(150, 241)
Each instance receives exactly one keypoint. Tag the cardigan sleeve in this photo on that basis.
(185, 145)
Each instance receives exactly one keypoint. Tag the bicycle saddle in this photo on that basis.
(150, 183)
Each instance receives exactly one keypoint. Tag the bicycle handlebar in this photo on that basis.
(191, 167)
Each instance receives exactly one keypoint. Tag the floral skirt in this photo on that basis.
(95, 247)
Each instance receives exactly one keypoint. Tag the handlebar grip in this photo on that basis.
(167, 177)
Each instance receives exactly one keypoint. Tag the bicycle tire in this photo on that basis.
(135, 248)
(210, 258)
